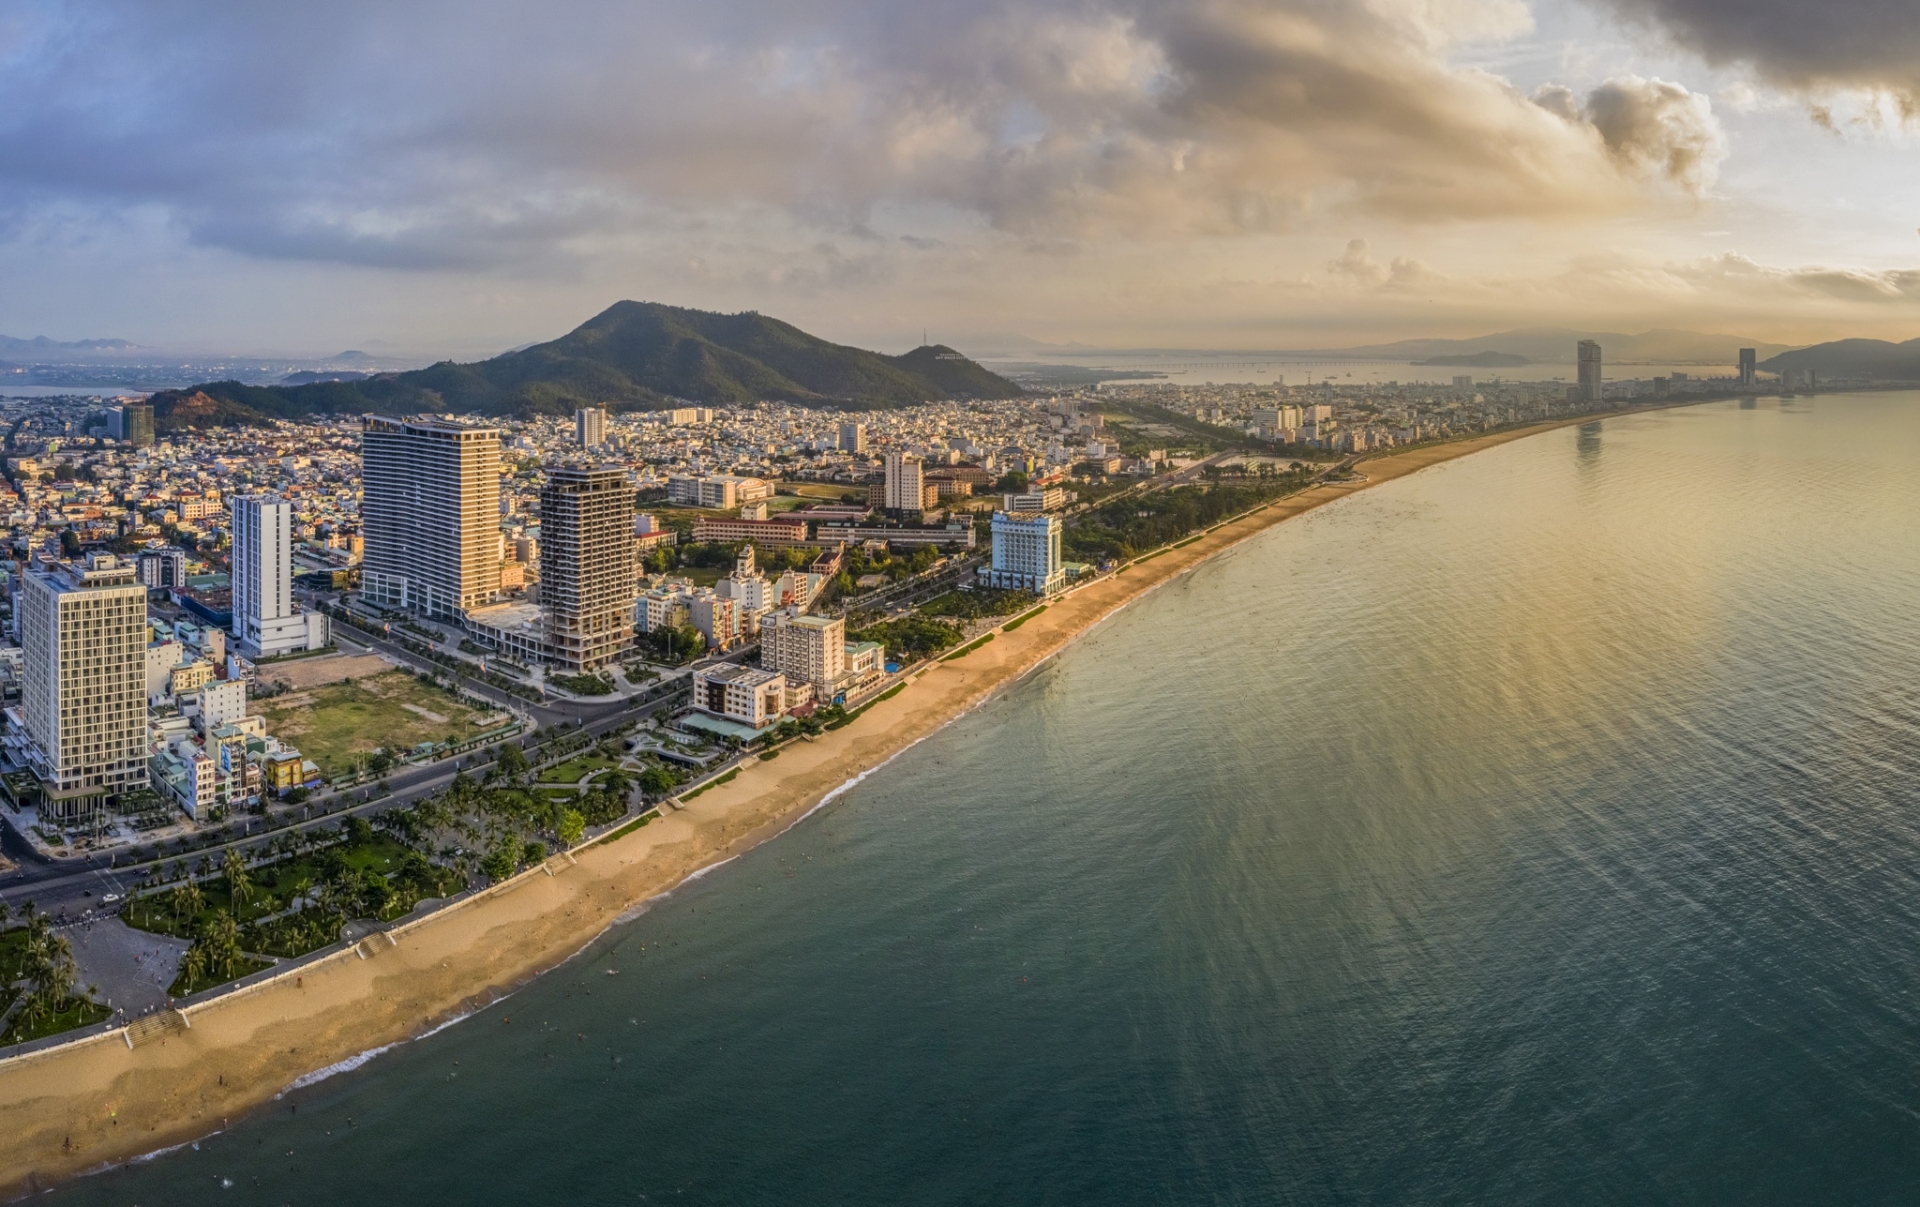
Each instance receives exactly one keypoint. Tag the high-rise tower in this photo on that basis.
(83, 633)
(590, 427)
(587, 581)
(1590, 381)
(905, 488)
(430, 513)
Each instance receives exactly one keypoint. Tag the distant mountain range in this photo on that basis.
(41, 348)
(631, 356)
(1478, 360)
(1555, 345)
(1875, 359)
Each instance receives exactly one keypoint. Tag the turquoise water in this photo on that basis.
(1539, 828)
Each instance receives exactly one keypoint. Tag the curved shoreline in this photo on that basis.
(96, 1102)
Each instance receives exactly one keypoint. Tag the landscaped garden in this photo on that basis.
(39, 982)
(296, 902)
(978, 604)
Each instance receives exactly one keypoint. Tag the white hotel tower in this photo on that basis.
(1026, 553)
(265, 622)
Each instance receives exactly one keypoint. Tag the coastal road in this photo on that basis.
(73, 887)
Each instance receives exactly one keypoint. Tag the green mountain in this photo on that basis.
(632, 356)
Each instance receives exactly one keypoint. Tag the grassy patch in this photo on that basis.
(181, 986)
(727, 778)
(853, 716)
(769, 754)
(576, 769)
(1017, 621)
(338, 725)
(968, 648)
(583, 685)
(627, 829)
(74, 1012)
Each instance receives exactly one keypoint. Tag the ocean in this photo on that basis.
(1539, 828)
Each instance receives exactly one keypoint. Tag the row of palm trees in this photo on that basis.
(47, 971)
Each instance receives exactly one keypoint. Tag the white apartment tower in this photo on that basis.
(590, 427)
(587, 583)
(905, 490)
(806, 649)
(1026, 553)
(853, 437)
(264, 619)
(83, 629)
(430, 513)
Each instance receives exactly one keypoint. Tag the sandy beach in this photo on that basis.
(97, 1102)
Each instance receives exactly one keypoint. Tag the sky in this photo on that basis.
(426, 178)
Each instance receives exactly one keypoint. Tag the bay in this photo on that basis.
(1537, 828)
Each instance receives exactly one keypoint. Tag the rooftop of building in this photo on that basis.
(517, 614)
(748, 676)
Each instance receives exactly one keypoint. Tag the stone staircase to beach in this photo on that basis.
(156, 1026)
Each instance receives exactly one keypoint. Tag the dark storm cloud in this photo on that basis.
(1799, 43)
(486, 134)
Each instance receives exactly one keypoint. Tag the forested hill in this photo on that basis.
(632, 356)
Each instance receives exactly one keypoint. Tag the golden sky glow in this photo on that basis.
(455, 178)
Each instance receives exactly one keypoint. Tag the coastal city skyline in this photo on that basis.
(1124, 602)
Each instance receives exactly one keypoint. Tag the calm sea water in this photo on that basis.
(1538, 829)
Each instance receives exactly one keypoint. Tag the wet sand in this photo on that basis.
(96, 1102)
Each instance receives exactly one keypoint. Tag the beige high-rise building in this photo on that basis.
(587, 583)
(430, 512)
(83, 632)
(905, 487)
(807, 649)
(590, 427)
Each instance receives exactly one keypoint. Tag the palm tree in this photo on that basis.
(616, 784)
(193, 969)
(186, 902)
(239, 884)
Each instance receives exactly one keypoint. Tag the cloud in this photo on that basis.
(1658, 129)
(505, 136)
(1358, 266)
(1806, 45)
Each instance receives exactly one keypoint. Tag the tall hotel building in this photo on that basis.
(1026, 553)
(264, 618)
(83, 633)
(1592, 385)
(905, 485)
(587, 581)
(807, 649)
(430, 513)
(590, 427)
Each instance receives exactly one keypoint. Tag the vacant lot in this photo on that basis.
(342, 724)
(301, 673)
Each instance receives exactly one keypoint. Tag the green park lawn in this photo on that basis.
(576, 769)
(341, 724)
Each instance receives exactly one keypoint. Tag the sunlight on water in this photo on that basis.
(1538, 828)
